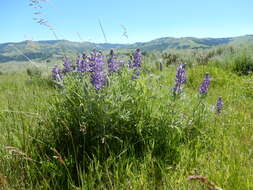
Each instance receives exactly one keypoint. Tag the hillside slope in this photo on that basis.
(55, 48)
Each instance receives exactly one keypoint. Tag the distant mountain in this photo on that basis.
(182, 43)
(56, 48)
(48, 49)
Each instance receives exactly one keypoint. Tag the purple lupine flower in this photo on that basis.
(181, 74)
(113, 68)
(219, 105)
(98, 77)
(180, 78)
(205, 84)
(82, 65)
(67, 65)
(137, 58)
(79, 65)
(113, 65)
(98, 80)
(135, 64)
(56, 73)
(96, 61)
(85, 63)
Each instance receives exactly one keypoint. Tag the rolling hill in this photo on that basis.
(56, 48)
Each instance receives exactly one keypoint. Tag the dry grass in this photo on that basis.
(204, 180)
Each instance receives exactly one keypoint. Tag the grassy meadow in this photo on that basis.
(131, 134)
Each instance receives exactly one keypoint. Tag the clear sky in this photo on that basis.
(78, 20)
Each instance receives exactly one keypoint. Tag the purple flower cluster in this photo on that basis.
(137, 60)
(82, 65)
(219, 105)
(79, 65)
(67, 65)
(94, 64)
(136, 64)
(98, 76)
(179, 79)
(56, 73)
(205, 84)
(113, 64)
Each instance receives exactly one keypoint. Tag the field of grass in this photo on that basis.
(133, 134)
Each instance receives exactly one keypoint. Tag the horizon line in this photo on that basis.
(208, 37)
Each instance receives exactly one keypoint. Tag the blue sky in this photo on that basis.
(78, 20)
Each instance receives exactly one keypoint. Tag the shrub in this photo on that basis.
(34, 72)
(131, 115)
(127, 115)
(243, 64)
(170, 58)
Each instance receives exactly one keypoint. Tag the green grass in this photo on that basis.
(219, 147)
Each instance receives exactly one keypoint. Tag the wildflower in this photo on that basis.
(79, 64)
(98, 77)
(67, 66)
(180, 78)
(113, 65)
(205, 84)
(137, 58)
(85, 63)
(219, 105)
(135, 64)
(82, 65)
(56, 74)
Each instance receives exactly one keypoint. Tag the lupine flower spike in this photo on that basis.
(79, 64)
(56, 74)
(179, 79)
(137, 58)
(136, 64)
(219, 105)
(82, 65)
(113, 65)
(67, 66)
(98, 77)
(205, 84)
(85, 63)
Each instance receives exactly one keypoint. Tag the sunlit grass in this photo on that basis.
(222, 150)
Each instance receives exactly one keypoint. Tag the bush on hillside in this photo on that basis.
(131, 115)
(34, 72)
(243, 64)
(125, 117)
